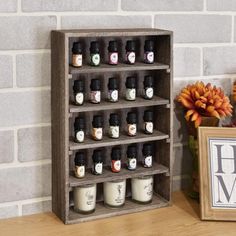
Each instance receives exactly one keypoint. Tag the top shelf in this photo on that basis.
(117, 68)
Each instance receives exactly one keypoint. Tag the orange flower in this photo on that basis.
(234, 91)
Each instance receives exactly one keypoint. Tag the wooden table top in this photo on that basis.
(180, 219)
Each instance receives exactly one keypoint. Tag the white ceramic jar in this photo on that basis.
(142, 189)
(114, 193)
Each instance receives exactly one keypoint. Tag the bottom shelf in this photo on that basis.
(129, 207)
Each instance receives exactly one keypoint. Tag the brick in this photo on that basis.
(221, 5)
(33, 70)
(72, 5)
(186, 62)
(97, 21)
(34, 144)
(181, 183)
(25, 183)
(6, 146)
(20, 108)
(37, 207)
(160, 5)
(26, 32)
(197, 28)
(6, 71)
(8, 211)
(219, 60)
(8, 6)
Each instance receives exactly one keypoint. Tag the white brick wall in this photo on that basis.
(205, 48)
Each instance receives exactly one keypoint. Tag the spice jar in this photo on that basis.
(116, 159)
(142, 189)
(131, 157)
(130, 52)
(79, 126)
(114, 193)
(113, 90)
(148, 122)
(132, 123)
(147, 155)
(77, 54)
(94, 53)
(85, 198)
(148, 87)
(78, 88)
(79, 164)
(149, 52)
(97, 127)
(130, 88)
(97, 162)
(113, 53)
(95, 93)
(114, 128)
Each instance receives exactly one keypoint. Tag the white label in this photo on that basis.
(95, 96)
(130, 94)
(77, 60)
(95, 59)
(79, 98)
(148, 161)
(132, 129)
(148, 127)
(98, 133)
(113, 58)
(117, 165)
(130, 57)
(113, 95)
(114, 131)
(149, 92)
(98, 168)
(132, 163)
(79, 171)
(149, 57)
(80, 136)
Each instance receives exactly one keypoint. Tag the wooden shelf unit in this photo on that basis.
(64, 113)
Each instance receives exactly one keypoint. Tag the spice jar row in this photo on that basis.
(115, 163)
(114, 194)
(114, 126)
(114, 52)
(113, 90)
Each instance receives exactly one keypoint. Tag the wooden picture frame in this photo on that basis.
(217, 172)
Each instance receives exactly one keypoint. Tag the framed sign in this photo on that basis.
(217, 171)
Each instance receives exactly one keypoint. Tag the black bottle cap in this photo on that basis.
(78, 86)
(97, 121)
(130, 82)
(149, 45)
(114, 119)
(77, 48)
(147, 149)
(148, 81)
(97, 156)
(79, 123)
(95, 85)
(116, 153)
(94, 47)
(131, 118)
(131, 151)
(113, 46)
(112, 84)
(148, 116)
(130, 46)
(79, 159)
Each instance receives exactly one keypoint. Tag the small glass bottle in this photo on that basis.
(116, 160)
(77, 56)
(79, 165)
(79, 127)
(148, 87)
(97, 162)
(113, 53)
(113, 94)
(149, 52)
(130, 52)
(97, 131)
(94, 53)
(95, 91)
(147, 155)
(131, 157)
(114, 128)
(132, 123)
(130, 84)
(78, 88)
(148, 122)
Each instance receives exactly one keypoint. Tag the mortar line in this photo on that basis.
(14, 83)
(16, 127)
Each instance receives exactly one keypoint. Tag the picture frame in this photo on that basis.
(217, 173)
